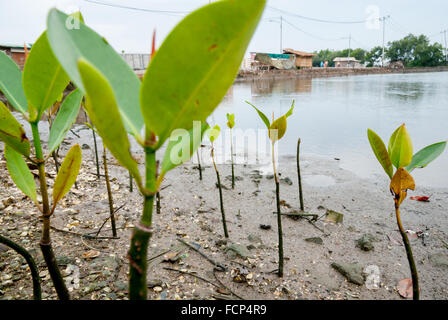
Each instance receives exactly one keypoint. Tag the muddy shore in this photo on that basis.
(190, 211)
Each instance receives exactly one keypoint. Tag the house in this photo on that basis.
(347, 62)
(267, 61)
(303, 59)
(16, 52)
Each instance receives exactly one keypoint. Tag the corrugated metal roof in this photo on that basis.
(15, 46)
(299, 53)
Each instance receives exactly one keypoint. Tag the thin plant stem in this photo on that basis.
(299, 177)
(199, 163)
(279, 216)
(407, 245)
(158, 202)
(224, 223)
(96, 154)
(131, 183)
(142, 233)
(45, 242)
(109, 194)
(37, 292)
(231, 156)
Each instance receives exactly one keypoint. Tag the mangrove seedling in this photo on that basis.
(398, 154)
(32, 94)
(213, 134)
(276, 131)
(299, 176)
(109, 194)
(178, 92)
(231, 124)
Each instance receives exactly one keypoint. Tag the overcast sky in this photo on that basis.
(130, 30)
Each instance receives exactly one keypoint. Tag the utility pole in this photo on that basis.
(383, 19)
(349, 45)
(446, 47)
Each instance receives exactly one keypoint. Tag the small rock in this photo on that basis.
(365, 243)
(265, 226)
(352, 271)
(286, 181)
(85, 146)
(237, 178)
(315, 240)
(439, 260)
(270, 176)
(239, 250)
(221, 242)
(154, 283)
(157, 289)
(121, 285)
(254, 239)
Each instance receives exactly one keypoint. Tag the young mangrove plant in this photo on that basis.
(399, 155)
(32, 94)
(299, 177)
(276, 131)
(179, 90)
(213, 134)
(230, 125)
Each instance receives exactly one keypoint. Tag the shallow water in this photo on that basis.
(332, 116)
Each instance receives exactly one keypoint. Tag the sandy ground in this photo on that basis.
(190, 211)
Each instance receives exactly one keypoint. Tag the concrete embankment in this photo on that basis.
(328, 72)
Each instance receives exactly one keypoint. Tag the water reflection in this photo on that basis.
(333, 114)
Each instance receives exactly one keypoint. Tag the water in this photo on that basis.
(332, 116)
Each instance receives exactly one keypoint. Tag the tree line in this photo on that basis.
(412, 51)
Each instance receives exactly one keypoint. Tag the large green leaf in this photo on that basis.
(11, 83)
(401, 148)
(196, 64)
(262, 115)
(70, 44)
(43, 77)
(12, 132)
(182, 145)
(380, 151)
(103, 112)
(67, 174)
(425, 156)
(20, 173)
(64, 119)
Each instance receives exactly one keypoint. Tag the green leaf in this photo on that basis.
(11, 83)
(67, 174)
(392, 140)
(43, 77)
(20, 173)
(278, 129)
(196, 64)
(69, 45)
(103, 112)
(213, 133)
(289, 113)
(401, 148)
(262, 115)
(64, 120)
(231, 120)
(182, 145)
(379, 149)
(12, 132)
(425, 156)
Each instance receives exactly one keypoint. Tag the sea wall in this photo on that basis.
(328, 72)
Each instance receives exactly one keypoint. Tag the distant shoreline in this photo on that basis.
(327, 72)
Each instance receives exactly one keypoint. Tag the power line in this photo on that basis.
(311, 34)
(316, 19)
(165, 12)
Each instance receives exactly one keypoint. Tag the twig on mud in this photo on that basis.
(299, 214)
(193, 275)
(222, 285)
(219, 266)
(158, 255)
(105, 221)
